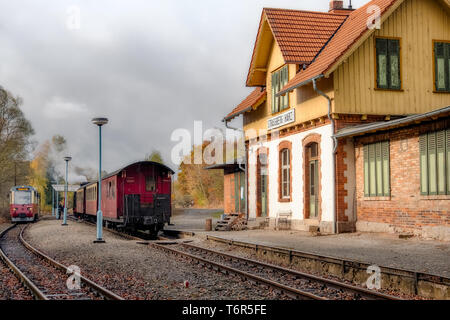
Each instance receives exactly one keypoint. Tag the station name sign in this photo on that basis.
(281, 120)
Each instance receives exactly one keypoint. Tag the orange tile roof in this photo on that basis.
(350, 32)
(301, 34)
(248, 103)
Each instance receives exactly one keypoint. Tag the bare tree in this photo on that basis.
(15, 133)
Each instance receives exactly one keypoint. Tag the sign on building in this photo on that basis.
(281, 120)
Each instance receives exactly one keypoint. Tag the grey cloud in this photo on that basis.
(150, 66)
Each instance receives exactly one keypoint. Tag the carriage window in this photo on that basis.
(113, 190)
(109, 189)
(21, 197)
(150, 183)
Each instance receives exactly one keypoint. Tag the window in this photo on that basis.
(442, 66)
(279, 79)
(435, 163)
(285, 174)
(150, 184)
(377, 170)
(388, 63)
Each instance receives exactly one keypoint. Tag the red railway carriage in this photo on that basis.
(80, 201)
(24, 204)
(137, 196)
(91, 202)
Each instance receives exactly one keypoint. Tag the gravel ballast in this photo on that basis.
(137, 271)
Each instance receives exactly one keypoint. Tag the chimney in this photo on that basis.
(336, 5)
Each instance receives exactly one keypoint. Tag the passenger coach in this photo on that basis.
(136, 197)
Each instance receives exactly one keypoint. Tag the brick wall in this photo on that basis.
(406, 210)
(228, 189)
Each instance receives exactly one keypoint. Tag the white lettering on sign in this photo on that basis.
(281, 120)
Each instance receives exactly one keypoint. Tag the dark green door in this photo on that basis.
(263, 177)
(313, 189)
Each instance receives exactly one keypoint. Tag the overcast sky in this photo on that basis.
(149, 66)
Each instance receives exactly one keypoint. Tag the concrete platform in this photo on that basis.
(193, 219)
(426, 256)
(380, 249)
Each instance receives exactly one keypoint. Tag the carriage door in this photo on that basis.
(263, 185)
(313, 181)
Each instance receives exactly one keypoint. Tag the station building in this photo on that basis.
(347, 127)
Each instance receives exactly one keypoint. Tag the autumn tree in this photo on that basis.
(155, 156)
(44, 168)
(194, 183)
(15, 145)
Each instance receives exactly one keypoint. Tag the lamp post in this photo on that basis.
(57, 205)
(53, 199)
(66, 159)
(100, 122)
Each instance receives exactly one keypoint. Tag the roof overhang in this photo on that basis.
(264, 40)
(238, 164)
(301, 84)
(252, 106)
(388, 125)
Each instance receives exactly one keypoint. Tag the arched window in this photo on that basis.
(285, 173)
(312, 177)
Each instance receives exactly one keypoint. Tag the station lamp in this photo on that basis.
(100, 122)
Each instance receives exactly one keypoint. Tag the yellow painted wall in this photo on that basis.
(417, 23)
(307, 103)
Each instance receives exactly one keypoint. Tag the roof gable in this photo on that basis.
(299, 34)
(347, 39)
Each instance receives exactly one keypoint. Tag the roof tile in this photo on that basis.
(301, 34)
(352, 30)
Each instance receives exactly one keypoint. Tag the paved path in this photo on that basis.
(192, 219)
(380, 249)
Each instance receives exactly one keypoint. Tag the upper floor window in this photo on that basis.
(442, 66)
(285, 174)
(280, 78)
(435, 163)
(388, 63)
(377, 170)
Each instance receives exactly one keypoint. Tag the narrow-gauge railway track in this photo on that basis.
(290, 282)
(44, 277)
(289, 291)
(408, 282)
(118, 233)
(331, 287)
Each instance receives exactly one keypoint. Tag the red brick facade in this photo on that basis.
(406, 210)
(228, 190)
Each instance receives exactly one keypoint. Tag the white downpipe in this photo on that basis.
(335, 145)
